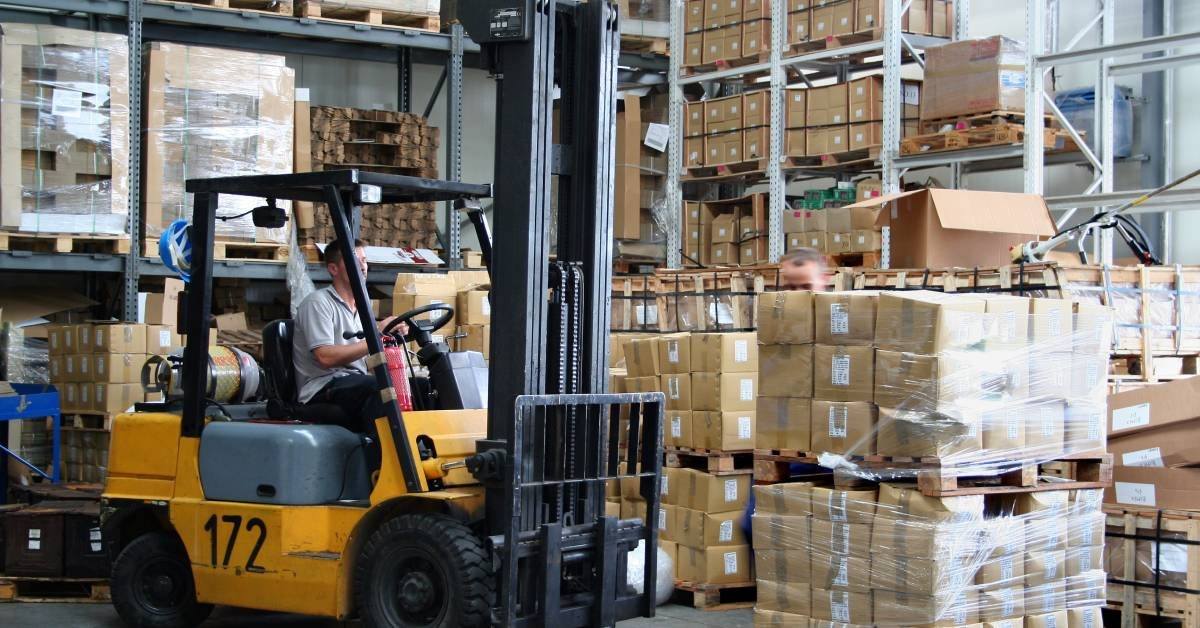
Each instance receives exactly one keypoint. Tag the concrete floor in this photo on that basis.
(20, 615)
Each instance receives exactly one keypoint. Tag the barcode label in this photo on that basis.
(840, 371)
(673, 387)
(839, 606)
(842, 575)
(731, 566)
(1151, 457)
(731, 490)
(673, 351)
(676, 431)
(745, 428)
(741, 350)
(839, 319)
(725, 534)
(839, 419)
(662, 518)
(1008, 326)
(1054, 323)
(164, 338)
(1123, 418)
(746, 390)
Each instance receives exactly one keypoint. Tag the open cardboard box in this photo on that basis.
(936, 228)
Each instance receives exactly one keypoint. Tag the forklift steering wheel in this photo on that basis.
(422, 331)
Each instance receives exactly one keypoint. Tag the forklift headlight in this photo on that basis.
(369, 193)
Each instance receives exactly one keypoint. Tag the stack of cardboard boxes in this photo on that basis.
(1152, 435)
(892, 556)
(730, 232)
(845, 116)
(729, 30)
(979, 379)
(973, 76)
(97, 370)
(700, 520)
(466, 291)
(642, 133)
(832, 230)
(729, 130)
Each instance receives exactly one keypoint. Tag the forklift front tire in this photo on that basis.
(423, 570)
(152, 584)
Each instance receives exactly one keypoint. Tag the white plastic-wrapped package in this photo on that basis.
(893, 556)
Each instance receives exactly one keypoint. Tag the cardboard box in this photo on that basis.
(926, 322)
(723, 431)
(693, 15)
(932, 383)
(473, 308)
(1001, 573)
(756, 143)
(641, 357)
(1045, 567)
(1050, 322)
(161, 340)
(841, 506)
(677, 432)
(922, 576)
(818, 138)
(796, 107)
(845, 318)
(783, 423)
(1047, 598)
(1000, 604)
(786, 371)
(843, 373)
(1171, 445)
(822, 23)
(953, 606)
(634, 509)
(728, 392)
(678, 389)
(474, 338)
(694, 118)
(906, 433)
(676, 485)
(799, 27)
(725, 254)
(700, 529)
(791, 498)
(117, 368)
(783, 599)
(785, 317)
(865, 241)
(715, 565)
(724, 229)
(725, 352)
(694, 47)
(842, 538)
(674, 353)
(843, 427)
(865, 135)
(842, 606)
(757, 108)
(163, 308)
(796, 142)
(781, 533)
(650, 383)
(905, 502)
(83, 338)
(843, 18)
(840, 573)
(1141, 409)
(1044, 425)
(1080, 560)
(712, 493)
(1089, 617)
(116, 398)
(974, 76)
(935, 228)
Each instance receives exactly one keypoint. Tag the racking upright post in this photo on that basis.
(129, 310)
(777, 185)
(1035, 81)
(1103, 238)
(675, 143)
(454, 88)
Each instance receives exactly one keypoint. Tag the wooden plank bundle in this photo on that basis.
(391, 142)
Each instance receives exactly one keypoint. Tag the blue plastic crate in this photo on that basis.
(1078, 105)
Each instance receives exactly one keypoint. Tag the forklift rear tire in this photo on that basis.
(152, 584)
(423, 570)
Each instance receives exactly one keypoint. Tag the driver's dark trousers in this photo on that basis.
(358, 396)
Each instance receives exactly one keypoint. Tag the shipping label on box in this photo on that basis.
(723, 431)
(120, 338)
(843, 373)
(678, 429)
(473, 308)
(845, 318)
(678, 390)
(846, 428)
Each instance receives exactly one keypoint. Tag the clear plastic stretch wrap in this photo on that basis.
(23, 360)
(214, 113)
(64, 105)
(983, 384)
(891, 556)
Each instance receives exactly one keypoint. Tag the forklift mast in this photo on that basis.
(554, 438)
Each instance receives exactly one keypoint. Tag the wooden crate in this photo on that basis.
(634, 304)
(1136, 597)
(712, 299)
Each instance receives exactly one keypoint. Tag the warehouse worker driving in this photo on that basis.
(329, 367)
(803, 269)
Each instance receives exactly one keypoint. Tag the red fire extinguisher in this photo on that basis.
(397, 365)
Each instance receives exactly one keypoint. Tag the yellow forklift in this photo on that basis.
(489, 504)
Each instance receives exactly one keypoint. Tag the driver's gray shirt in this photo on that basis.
(320, 321)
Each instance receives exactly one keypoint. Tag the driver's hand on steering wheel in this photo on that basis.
(400, 330)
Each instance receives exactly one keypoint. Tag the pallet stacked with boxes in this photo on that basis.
(730, 232)
(936, 414)
(729, 33)
(97, 370)
(848, 236)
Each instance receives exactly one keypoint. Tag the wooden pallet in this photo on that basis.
(977, 137)
(274, 7)
(710, 460)
(715, 597)
(58, 590)
(338, 12)
(1138, 603)
(224, 250)
(725, 64)
(744, 168)
(774, 465)
(936, 478)
(958, 123)
(64, 243)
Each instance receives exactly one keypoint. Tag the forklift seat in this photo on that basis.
(281, 380)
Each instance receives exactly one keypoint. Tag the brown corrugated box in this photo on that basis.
(678, 389)
(845, 318)
(1172, 445)
(716, 565)
(905, 501)
(473, 308)
(840, 572)
(724, 431)
(842, 505)
(792, 498)
(1155, 487)
(935, 228)
(974, 76)
(1141, 409)
(921, 575)
(117, 368)
(677, 432)
(786, 370)
(701, 529)
(790, 566)
(729, 392)
(641, 356)
(712, 493)
(1001, 572)
(927, 382)
(843, 427)
(842, 373)
(756, 144)
(781, 532)
(785, 317)
(725, 352)
(843, 538)
(782, 423)
(904, 433)
(927, 322)
(842, 606)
